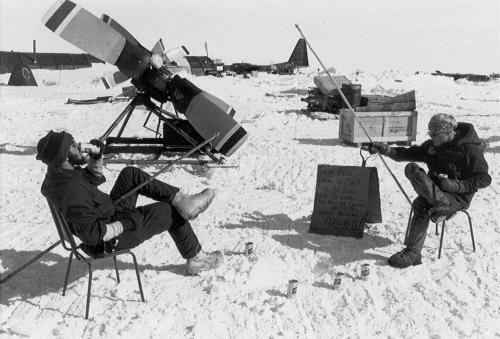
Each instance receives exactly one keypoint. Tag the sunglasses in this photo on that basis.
(434, 134)
(75, 144)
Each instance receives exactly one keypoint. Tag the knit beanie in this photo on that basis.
(53, 148)
(442, 123)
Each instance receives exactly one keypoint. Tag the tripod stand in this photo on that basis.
(178, 135)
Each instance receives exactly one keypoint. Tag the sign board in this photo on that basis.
(346, 198)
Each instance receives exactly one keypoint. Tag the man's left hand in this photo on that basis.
(451, 185)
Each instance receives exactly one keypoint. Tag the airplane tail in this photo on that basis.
(299, 54)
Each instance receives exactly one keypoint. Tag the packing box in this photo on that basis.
(390, 127)
(380, 103)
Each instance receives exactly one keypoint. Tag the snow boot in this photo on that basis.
(405, 258)
(204, 261)
(190, 206)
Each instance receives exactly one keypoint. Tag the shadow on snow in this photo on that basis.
(342, 250)
(47, 274)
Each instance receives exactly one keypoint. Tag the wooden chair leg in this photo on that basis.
(138, 276)
(441, 240)
(437, 232)
(89, 288)
(116, 269)
(68, 268)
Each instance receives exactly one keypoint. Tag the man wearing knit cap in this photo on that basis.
(104, 225)
(457, 169)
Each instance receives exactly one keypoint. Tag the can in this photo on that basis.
(365, 271)
(89, 148)
(249, 248)
(337, 281)
(292, 289)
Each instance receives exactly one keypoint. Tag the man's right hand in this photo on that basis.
(378, 147)
(100, 144)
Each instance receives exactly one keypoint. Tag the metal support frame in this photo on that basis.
(442, 229)
(160, 146)
(442, 232)
(89, 283)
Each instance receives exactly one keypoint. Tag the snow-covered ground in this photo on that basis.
(267, 199)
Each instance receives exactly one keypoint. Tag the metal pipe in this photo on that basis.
(35, 61)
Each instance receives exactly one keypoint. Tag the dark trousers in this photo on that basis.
(429, 195)
(154, 218)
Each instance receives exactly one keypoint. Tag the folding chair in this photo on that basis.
(450, 216)
(69, 244)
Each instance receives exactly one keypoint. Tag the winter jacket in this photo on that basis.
(461, 158)
(86, 209)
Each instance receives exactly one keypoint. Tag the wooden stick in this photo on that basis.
(355, 115)
(191, 151)
(22, 267)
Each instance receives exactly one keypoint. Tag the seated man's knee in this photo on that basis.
(420, 205)
(129, 171)
(411, 168)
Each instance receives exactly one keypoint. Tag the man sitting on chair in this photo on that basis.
(104, 226)
(457, 169)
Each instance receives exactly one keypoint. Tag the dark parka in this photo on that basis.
(86, 209)
(461, 158)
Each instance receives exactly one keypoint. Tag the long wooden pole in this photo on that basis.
(191, 151)
(353, 112)
(22, 267)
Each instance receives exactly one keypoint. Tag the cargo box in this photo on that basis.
(390, 127)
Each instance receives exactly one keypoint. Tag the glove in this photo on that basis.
(113, 230)
(378, 147)
(101, 146)
(101, 249)
(451, 185)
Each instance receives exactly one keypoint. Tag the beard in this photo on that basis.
(76, 159)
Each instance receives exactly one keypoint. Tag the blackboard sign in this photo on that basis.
(346, 198)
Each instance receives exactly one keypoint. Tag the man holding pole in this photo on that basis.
(457, 169)
(113, 222)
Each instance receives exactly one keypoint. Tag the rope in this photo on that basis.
(354, 113)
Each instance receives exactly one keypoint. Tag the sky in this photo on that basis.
(425, 35)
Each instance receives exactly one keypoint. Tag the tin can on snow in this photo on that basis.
(337, 281)
(249, 248)
(89, 148)
(365, 271)
(292, 288)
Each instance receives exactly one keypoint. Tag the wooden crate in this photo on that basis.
(389, 127)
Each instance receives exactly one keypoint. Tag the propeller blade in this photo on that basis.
(130, 91)
(84, 30)
(110, 80)
(175, 54)
(119, 28)
(158, 48)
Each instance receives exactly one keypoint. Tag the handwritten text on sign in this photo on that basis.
(341, 200)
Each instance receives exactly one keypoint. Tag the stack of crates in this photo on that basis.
(386, 119)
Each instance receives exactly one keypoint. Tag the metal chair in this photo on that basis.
(453, 214)
(69, 244)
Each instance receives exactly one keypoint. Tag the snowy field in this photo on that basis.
(267, 199)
